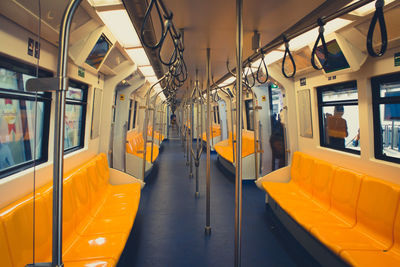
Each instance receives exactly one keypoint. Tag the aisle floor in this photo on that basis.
(169, 227)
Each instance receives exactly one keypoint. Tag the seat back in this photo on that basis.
(396, 232)
(5, 255)
(376, 209)
(295, 166)
(321, 182)
(306, 172)
(17, 230)
(83, 199)
(344, 194)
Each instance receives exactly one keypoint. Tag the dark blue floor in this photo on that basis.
(169, 227)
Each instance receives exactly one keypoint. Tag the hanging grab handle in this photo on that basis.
(253, 76)
(287, 52)
(324, 47)
(259, 70)
(377, 15)
(145, 21)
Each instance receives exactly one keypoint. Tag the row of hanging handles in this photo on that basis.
(378, 17)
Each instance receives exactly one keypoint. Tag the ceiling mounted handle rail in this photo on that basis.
(259, 70)
(378, 16)
(288, 53)
(321, 38)
(146, 19)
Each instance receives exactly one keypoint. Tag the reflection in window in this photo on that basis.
(249, 114)
(386, 107)
(18, 147)
(75, 113)
(338, 117)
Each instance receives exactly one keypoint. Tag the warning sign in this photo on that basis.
(263, 98)
(122, 97)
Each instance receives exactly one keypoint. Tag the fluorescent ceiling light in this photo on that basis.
(162, 96)
(96, 3)
(147, 71)
(228, 81)
(152, 79)
(366, 9)
(138, 55)
(311, 36)
(269, 58)
(120, 25)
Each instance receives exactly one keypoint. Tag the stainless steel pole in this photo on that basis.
(255, 125)
(239, 112)
(58, 165)
(208, 143)
(191, 136)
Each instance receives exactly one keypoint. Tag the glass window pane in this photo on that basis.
(390, 89)
(8, 79)
(17, 124)
(74, 93)
(340, 94)
(73, 122)
(390, 129)
(341, 127)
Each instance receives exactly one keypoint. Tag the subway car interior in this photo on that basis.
(199, 133)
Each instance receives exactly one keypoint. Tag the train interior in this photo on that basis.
(199, 133)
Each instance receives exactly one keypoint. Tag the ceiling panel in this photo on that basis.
(212, 23)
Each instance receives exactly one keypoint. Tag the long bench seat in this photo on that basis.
(224, 148)
(355, 216)
(158, 137)
(215, 132)
(135, 145)
(98, 214)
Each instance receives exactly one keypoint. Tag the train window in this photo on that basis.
(386, 110)
(18, 147)
(75, 114)
(249, 114)
(338, 117)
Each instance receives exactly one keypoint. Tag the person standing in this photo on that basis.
(337, 128)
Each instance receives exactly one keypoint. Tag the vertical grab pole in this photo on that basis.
(153, 128)
(191, 135)
(197, 159)
(59, 124)
(208, 128)
(232, 131)
(144, 133)
(239, 107)
(187, 126)
(255, 125)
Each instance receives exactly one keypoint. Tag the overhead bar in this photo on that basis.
(278, 41)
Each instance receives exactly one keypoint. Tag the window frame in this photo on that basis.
(321, 104)
(83, 102)
(376, 101)
(45, 98)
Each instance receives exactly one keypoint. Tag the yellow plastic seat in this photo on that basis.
(135, 146)
(224, 147)
(368, 258)
(90, 263)
(96, 247)
(375, 213)
(97, 220)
